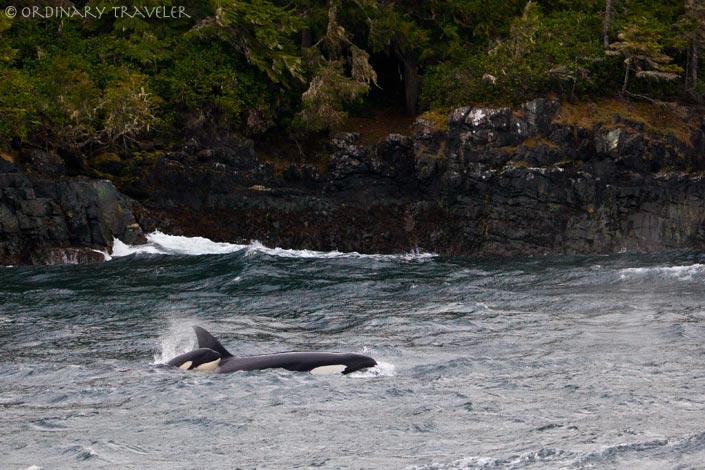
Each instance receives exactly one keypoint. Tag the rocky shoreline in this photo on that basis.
(488, 182)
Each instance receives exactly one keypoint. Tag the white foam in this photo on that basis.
(257, 247)
(683, 273)
(159, 243)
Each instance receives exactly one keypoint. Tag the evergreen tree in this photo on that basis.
(252, 66)
(341, 74)
(262, 31)
(641, 46)
(695, 31)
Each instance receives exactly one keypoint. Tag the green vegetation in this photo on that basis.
(85, 83)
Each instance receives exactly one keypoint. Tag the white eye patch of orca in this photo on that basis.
(329, 370)
(205, 367)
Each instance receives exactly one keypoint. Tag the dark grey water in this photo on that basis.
(538, 363)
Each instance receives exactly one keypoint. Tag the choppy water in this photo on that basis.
(537, 363)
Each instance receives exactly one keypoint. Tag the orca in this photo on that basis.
(211, 356)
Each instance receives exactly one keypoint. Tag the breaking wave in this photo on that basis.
(159, 243)
(682, 273)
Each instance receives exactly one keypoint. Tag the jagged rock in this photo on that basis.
(394, 158)
(477, 132)
(539, 114)
(349, 157)
(69, 255)
(311, 176)
(496, 182)
(541, 155)
(427, 168)
(488, 118)
(576, 143)
(456, 119)
(426, 130)
(240, 157)
(7, 166)
(44, 220)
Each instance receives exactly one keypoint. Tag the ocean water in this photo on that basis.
(553, 362)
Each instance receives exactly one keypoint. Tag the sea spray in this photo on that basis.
(159, 243)
(683, 273)
(177, 339)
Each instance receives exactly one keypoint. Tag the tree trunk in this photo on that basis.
(608, 13)
(306, 38)
(411, 85)
(694, 64)
(688, 58)
(626, 76)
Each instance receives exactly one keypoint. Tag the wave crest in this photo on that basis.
(159, 243)
(681, 273)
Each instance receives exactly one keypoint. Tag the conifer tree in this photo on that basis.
(641, 46)
(695, 21)
(341, 74)
(262, 32)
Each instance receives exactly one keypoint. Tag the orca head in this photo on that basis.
(358, 362)
(202, 359)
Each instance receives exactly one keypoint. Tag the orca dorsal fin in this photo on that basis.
(206, 340)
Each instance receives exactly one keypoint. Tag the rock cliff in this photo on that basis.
(48, 218)
(485, 182)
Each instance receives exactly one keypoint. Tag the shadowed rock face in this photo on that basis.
(490, 182)
(494, 182)
(64, 220)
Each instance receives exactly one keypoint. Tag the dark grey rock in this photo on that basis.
(44, 163)
(45, 221)
(394, 158)
(539, 114)
(7, 166)
(496, 182)
(426, 130)
(67, 255)
(488, 118)
(348, 157)
(456, 119)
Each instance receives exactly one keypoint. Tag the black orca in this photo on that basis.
(211, 356)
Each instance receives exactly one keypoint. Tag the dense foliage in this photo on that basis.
(75, 80)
